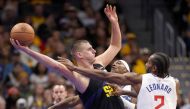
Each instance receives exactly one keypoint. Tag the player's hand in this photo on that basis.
(66, 103)
(16, 44)
(117, 90)
(67, 63)
(110, 12)
(72, 101)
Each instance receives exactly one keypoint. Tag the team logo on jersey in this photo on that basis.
(108, 90)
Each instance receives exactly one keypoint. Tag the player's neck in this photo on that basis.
(84, 64)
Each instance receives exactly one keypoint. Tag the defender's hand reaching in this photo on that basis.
(67, 63)
(117, 90)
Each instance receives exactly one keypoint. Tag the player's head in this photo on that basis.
(158, 63)
(82, 50)
(59, 93)
(120, 66)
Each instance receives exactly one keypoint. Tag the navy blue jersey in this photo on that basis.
(97, 96)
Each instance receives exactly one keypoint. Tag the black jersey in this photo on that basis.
(97, 96)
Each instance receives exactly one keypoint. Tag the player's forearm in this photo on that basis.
(67, 103)
(115, 35)
(101, 75)
(91, 73)
(48, 62)
(45, 60)
(119, 79)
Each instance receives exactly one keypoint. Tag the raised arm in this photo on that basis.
(115, 44)
(75, 78)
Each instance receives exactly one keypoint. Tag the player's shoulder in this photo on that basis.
(148, 75)
(173, 78)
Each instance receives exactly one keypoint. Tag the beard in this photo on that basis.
(148, 70)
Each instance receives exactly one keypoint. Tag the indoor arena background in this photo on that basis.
(147, 26)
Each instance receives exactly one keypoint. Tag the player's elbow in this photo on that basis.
(59, 67)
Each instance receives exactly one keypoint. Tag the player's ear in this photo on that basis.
(154, 68)
(78, 54)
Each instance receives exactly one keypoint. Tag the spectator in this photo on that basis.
(38, 97)
(44, 30)
(21, 104)
(13, 95)
(40, 75)
(47, 98)
(15, 60)
(38, 16)
(186, 39)
(139, 64)
(59, 93)
(2, 103)
(187, 106)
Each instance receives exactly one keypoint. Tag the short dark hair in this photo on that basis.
(77, 46)
(162, 62)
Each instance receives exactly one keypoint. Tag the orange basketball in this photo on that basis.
(23, 32)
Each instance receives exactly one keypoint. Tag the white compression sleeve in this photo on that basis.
(127, 104)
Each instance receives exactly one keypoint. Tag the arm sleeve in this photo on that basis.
(127, 104)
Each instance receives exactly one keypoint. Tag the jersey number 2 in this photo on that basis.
(156, 97)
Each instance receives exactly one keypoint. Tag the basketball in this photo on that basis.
(23, 32)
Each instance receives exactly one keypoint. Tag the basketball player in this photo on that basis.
(156, 89)
(90, 91)
(119, 66)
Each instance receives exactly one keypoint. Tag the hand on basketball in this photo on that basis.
(110, 12)
(67, 63)
(16, 44)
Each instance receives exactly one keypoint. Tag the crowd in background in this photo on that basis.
(180, 10)
(57, 24)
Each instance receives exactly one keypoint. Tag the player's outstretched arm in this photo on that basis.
(45, 60)
(121, 79)
(67, 103)
(53, 64)
(115, 43)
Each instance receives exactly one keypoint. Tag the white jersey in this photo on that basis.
(157, 93)
(126, 99)
(126, 88)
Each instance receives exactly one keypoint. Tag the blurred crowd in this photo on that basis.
(27, 84)
(180, 10)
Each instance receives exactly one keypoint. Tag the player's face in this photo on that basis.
(59, 93)
(118, 67)
(149, 64)
(87, 53)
